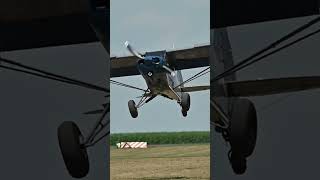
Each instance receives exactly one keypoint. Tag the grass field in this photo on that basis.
(187, 161)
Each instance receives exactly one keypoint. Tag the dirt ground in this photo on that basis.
(161, 162)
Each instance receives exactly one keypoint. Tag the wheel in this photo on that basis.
(184, 113)
(132, 108)
(238, 164)
(243, 127)
(185, 101)
(74, 155)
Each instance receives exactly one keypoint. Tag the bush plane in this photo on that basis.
(161, 71)
(38, 24)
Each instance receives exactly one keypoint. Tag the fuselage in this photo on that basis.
(159, 80)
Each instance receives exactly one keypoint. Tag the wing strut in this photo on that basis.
(126, 85)
(48, 75)
(199, 74)
(248, 61)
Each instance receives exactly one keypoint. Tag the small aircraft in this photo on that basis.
(162, 78)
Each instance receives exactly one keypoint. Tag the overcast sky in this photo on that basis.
(151, 25)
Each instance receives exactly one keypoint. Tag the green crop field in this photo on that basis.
(198, 137)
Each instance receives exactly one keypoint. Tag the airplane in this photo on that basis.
(162, 78)
(232, 114)
(50, 23)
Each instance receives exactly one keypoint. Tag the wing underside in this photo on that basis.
(194, 88)
(183, 59)
(272, 86)
(37, 24)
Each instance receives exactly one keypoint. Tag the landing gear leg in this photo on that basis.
(74, 154)
(74, 146)
(133, 108)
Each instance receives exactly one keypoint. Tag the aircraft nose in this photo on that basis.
(149, 62)
(141, 61)
(156, 60)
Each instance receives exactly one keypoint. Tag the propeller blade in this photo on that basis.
(133, 51)
(169, 70)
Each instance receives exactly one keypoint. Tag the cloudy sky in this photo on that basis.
(152, 25)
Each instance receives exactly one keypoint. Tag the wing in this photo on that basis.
(38, 23)
(123, 66)
(183, 59)
(194, 88)
(272, 86)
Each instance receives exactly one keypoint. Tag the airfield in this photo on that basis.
(184, 161)
(170, 155)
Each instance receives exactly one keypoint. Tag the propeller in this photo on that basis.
(133, 51)
(140, 56)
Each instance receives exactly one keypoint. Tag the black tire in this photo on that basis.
(184, 113)
(132, 108)
(74, 155)
(185, 101)
(243, 127)
(238, 164)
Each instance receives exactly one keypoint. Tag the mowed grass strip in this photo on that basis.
(162, 137)
(190, 161)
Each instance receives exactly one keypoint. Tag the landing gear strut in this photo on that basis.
(73, 145)
(74, 154)
(133, 107)
(240, 132)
